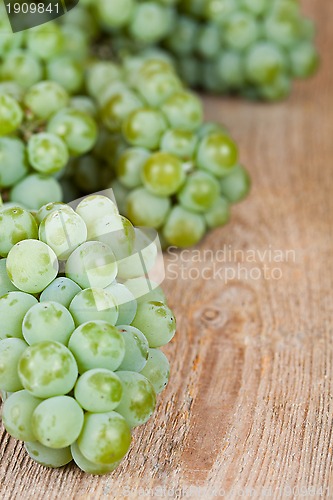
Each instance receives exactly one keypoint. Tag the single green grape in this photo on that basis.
(157, 370)
(183, 110)
(181, 143)
(97, 344)
(94, 208)
(138, 400)
(13, 161)
(182, 39)
(230, 69)
(45, 42)
(61, 290)
(48, 457)
(219, 214)
(47, 321)
(94, 304)
(264, 61)
(125, 301)
(163, 174)
(32, 265)
(47, 369)
(47, 153)
(85, 104)
(217, 153)
(88, 466)
(50, 208)
(13, 307)
(183, 228)
(118, 107)
(147, 209)
(136, 348)
(16, 224)
(67, 71)
(23, 67)
(200, 192)
(208, 42)
(241, 30)
(11, 115)
(144, 127)
(156, 321)
(151, 22)
(36, 190)
(45, 98)
(17, 414)
(156, 86)
(11, 351)
(236, 186)
(304, 59)
(98, 390)
(115, 14)
(129, 166)
(99, 75)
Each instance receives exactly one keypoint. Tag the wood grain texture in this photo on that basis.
(249, 408)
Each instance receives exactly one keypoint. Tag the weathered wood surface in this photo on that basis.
(249, 408)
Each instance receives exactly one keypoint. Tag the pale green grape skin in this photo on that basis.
(85, 104)
(157, 370)
(36, 190)
(47, 153)
(144, 127)
(97, 344)
(63, 231)
(163, 174)
(117, 107)
(241, 30)
(236, 186)
(129, 166)
(17, 414)
(92, 264)
(105, 438)
(156, 86)
(89, 467)
(13, 307)
(136, 348)
(147, 209)
(120, 193)
(77, 129)
(126, 302)
(184, 228)
(219, 213)
(157, 17)
(13, 89)
(99, 75)
(94, 304)
(200, 192)
(217, 153)
(13, 161)
(156, 321)
(46, 98)
(6, 285)
(23, 67)
(304, 60)
(47, 369)
(181, 143)
(51, 207)
(61, 290)
(98, 390)
(47, 321)
(67, 72)
(115, 14)
(45, 42)
(49, 457)
(11, 351)
(16, 224)
(144, 255)
(57, 421)
(94, 208)
(32, 265)
(139, 398)
(145, 290)
(264, 62)
(183, 111)
(11, 115)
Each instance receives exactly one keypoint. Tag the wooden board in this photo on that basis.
(249, 406)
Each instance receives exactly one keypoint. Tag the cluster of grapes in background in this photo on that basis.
(81, 327)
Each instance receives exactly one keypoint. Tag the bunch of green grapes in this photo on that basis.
(173, 171)
(252, 47)
(81, 327)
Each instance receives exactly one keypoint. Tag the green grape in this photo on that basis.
(93, 264)
(75, 43)
(230, 69)
(47, 153)
(8, 40)
(97, 344)
(45, 42)
(183, 110)
(13, 307)
(17, 414)
(157, 370)
(85, 104)
(189, 70)
(144, 255)
(118, 233)
(32, 265)
(118, 107)
(6, 285)
(183, 37)
(50, 208)
(200, 192)
(67, 72)
(23, 67)
(156, 321)
(61, 290)
(138, 400)
(183, 228)
(57, 421)
(219, 214)
(16, 224)
(11, 115)
(116, 13)
(241, 30)
(236, 186)
(147, 209)
(36, 190)
(277, 90)
(145, 290)
(208, 42)
(181, 143)
(47, 321)
(76, 128)
(12, 89)
(46, 98)
(11, 351)
(256, 6)
(99, 75)
(163, 174)
(94, 208)
(217, 154)
(136, 349)
(105, 438)
(63, 230)
(94, 304)
(150, 22)
(125, 301)
(304, 60)
(47, 369)
(48, 457)
(98, 390)
(156, 86)
(13, 161)
(88, 466)
(264, 62)
(129, 166)
(144, 127)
